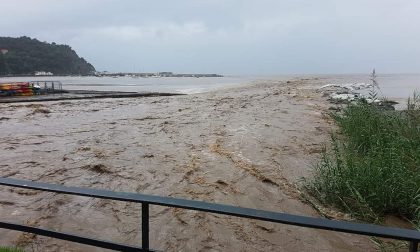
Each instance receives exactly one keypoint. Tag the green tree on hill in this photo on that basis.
(3, 65)
(27, 56)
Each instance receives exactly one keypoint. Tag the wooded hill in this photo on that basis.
(25, 56)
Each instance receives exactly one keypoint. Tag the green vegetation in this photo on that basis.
(8, 249)
(26, 56)
(373, 167)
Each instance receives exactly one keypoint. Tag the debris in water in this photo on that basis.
(99, 168)
(41, 111)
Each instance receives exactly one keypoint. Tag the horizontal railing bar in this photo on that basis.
(70, 237)
(296, 220)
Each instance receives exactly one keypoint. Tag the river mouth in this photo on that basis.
(244, 146)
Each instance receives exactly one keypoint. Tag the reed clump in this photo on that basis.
(373, 167)
(10, 249)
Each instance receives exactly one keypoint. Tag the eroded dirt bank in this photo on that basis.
(244, 146)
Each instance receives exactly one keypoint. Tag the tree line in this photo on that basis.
(25, 56)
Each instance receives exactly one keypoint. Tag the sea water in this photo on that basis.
(392, 86)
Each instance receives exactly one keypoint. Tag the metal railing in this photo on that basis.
(412, 236)
(49, 86)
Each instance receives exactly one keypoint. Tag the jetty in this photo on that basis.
(39, 91)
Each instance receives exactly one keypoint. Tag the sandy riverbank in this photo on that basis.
(246, 146)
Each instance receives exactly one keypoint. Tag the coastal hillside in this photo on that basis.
(24, 56)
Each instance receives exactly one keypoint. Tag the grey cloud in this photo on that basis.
(268, 36)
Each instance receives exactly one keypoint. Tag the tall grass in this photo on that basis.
(9, 249)
(373, 167)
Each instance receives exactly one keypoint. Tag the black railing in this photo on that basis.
(48, 86)
(412, 236)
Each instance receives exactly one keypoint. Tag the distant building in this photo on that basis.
(165, 74)
(100, 74)
(4, 51)
(42, 73)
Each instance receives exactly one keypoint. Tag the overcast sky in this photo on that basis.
(227, 36)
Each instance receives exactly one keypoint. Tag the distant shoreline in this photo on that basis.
(120, 74)
(393, 86)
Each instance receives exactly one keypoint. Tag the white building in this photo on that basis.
(42, 73)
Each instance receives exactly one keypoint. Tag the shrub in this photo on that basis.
(373, 167)
(9, 249)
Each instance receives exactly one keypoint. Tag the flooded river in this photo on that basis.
(246, 146)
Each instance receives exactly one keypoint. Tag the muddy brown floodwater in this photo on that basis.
(246, 146)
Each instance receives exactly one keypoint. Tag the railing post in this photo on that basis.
(413, 246)
(145, 225)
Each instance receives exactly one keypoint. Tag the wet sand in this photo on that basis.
(246, 146)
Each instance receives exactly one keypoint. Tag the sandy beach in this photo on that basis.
(247, 146)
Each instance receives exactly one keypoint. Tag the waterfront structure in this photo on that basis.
(42, 73)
